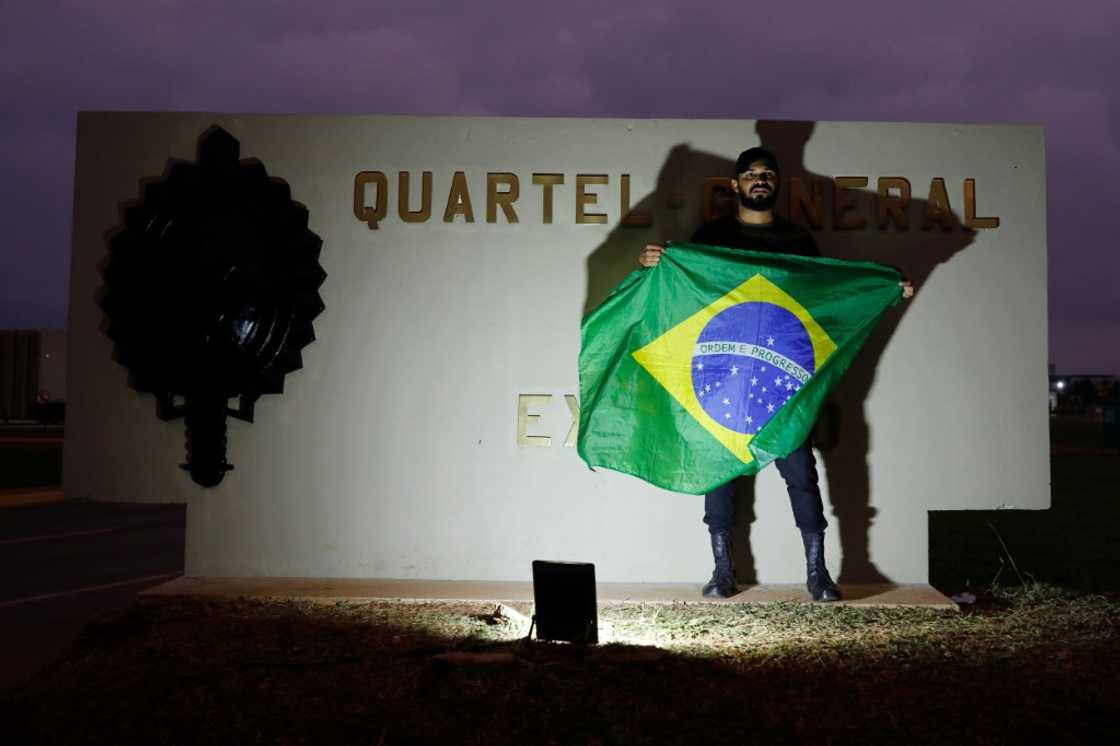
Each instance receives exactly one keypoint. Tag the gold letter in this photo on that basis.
(891, 207)
(630, 217)
(937, 206)
(799, 199)
(371, 215)
(585, 198)
(547, 181)
(841, 204)
(524, 419)
(458, 199)
(425, 211)
(573, 408)
(505, 199)
(970, 219)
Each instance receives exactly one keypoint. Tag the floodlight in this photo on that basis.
(564, 597)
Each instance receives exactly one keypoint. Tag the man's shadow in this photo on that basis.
(692, 186)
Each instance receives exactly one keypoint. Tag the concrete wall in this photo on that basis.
(394, 452)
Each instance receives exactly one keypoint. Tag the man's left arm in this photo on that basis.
(809, 246)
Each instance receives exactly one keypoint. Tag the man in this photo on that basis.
(754, 226)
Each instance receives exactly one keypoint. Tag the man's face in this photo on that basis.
(757, 187)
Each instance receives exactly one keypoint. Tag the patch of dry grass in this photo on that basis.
(1039, 664)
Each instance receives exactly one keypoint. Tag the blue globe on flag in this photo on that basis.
(750, 360)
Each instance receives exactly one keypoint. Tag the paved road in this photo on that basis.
(65, 564)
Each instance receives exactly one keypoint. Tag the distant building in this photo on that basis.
(32, 375)
(1074, 391)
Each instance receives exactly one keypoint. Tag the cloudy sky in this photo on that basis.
(1053, 63)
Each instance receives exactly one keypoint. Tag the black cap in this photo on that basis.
(751, 155)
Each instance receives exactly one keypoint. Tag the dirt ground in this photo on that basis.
(1039, 665)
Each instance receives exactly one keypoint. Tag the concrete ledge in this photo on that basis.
(883, 595)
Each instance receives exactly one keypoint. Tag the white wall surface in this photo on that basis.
(393, 452)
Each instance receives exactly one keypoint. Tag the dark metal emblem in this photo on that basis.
(210, 291)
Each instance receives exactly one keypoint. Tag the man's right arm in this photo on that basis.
(650, 255)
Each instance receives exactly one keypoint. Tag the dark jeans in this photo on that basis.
(799, 469)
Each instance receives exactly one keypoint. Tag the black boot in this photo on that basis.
(819, 582)
(722, 584)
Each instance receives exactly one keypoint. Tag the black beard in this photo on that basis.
(759, 204)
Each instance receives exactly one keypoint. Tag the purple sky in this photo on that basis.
(1054, 64)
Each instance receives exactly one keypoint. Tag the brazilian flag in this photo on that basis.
(715, 362)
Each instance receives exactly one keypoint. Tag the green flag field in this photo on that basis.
(715, 362)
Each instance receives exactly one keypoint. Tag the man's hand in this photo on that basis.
(651, 255)
(907, 288)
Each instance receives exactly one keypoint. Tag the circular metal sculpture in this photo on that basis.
(210, 291)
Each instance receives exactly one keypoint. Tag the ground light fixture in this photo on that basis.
(564, 601)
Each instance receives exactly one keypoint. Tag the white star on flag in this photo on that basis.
(770, 341)
(734, 370)
(769, 407)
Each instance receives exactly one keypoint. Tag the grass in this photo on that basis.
(1033, 662)
(1073, 544)
(1037, 665)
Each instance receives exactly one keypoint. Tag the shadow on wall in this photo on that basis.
(848, 222)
